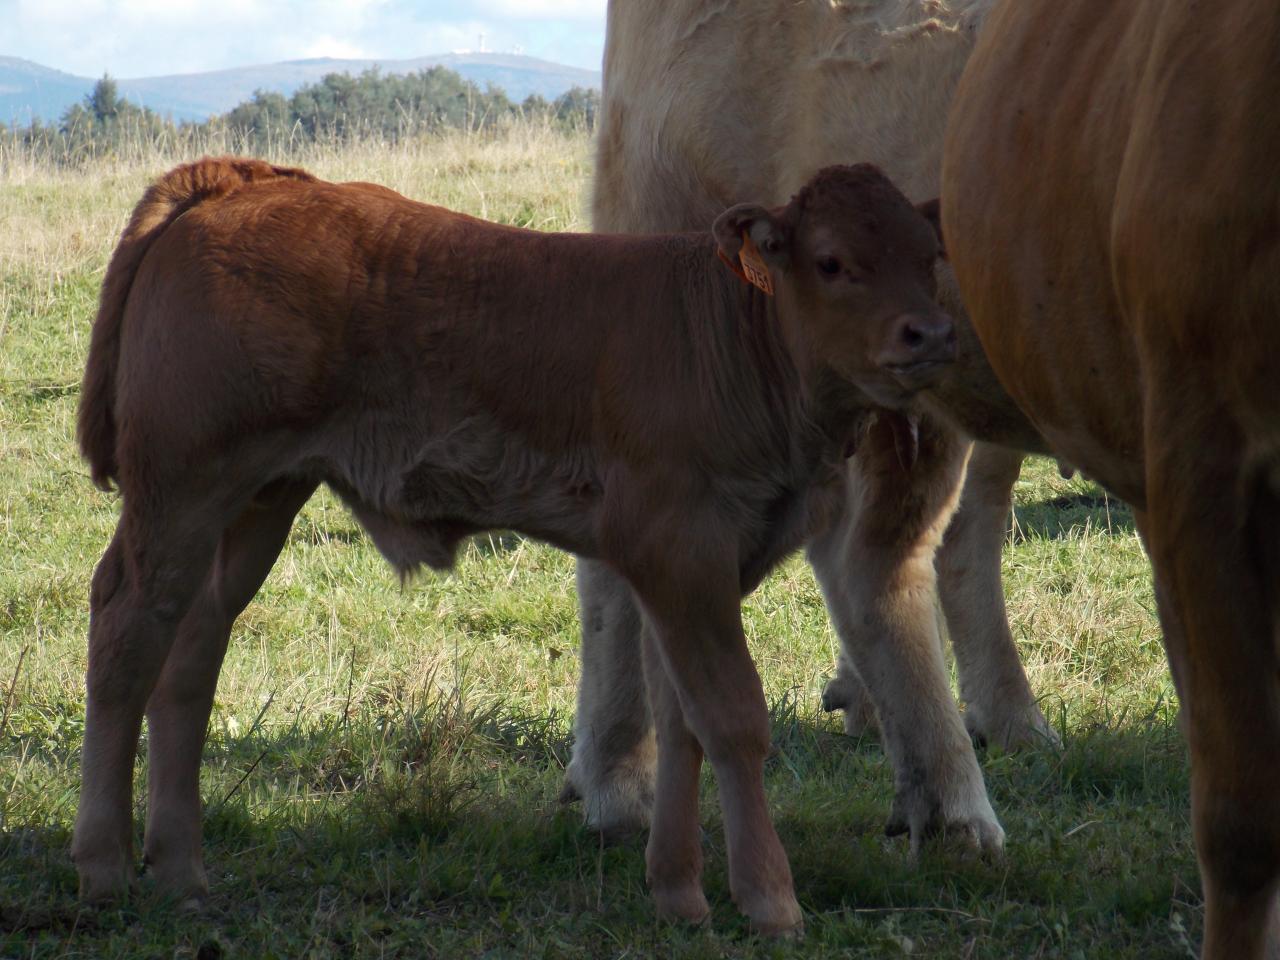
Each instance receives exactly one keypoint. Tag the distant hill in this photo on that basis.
(29, 90)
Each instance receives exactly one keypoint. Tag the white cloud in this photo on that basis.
(327, 46)
(185, 12)
(545, 9)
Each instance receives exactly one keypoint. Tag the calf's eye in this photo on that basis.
(828, 266)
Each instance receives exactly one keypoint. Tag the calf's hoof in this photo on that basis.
(103, 857)
(680, 901)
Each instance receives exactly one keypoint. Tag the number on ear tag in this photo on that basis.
(753, 265)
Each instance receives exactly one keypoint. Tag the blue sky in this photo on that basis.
(130, 38)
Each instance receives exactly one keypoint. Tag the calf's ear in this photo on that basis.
(931, 210)
(765, 228)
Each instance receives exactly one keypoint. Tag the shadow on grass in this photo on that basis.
(40, 390)
(438, 824)
(1056, 518)
(496, 544)
(347, 531)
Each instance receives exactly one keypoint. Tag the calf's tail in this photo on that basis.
(165, 200)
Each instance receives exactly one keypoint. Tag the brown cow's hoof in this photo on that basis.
(684, 902)
(104, 884)
(105, 868)
(183, 880)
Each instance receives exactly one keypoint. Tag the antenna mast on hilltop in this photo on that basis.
(481, 50)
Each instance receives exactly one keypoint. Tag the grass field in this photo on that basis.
(383, 762)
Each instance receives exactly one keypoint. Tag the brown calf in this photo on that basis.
(1112, 202)
(627, 398)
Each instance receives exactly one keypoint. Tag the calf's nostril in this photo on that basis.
(917, 338)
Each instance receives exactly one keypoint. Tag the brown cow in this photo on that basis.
(627, 398)
(1112, 199)
(705, 102)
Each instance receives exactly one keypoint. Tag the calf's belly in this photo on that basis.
(423, 495)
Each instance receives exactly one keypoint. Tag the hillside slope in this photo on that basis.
(29, 90)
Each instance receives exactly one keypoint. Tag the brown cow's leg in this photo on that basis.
(876, 570)
(698, 632)
(142, 588)
(674, 854)
(1000, 708)
(1213, 529)
(613, 750)
(178, 710)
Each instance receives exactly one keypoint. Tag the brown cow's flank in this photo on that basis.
(1110, 189)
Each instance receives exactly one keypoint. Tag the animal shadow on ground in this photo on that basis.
(346, 530)
(1055, 518)
(432, 819)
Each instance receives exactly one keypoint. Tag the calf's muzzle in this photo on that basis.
(918, 344)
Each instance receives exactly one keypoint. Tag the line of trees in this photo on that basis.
(339, 107)
(102, 120)
(392, 106)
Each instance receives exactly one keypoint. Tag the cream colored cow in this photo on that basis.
(709, 101)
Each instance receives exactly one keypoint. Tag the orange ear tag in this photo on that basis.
(753, 265)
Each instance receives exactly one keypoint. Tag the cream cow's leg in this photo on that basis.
(876, 570)
(612, 770)
(1000, 708)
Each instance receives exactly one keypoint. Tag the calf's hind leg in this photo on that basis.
(178, 710)
(142, 588)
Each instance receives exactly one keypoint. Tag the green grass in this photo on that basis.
(383, 762)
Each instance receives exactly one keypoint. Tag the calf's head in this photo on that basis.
(851, 262)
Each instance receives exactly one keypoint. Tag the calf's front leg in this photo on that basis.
(707, 690)
(673, 859)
